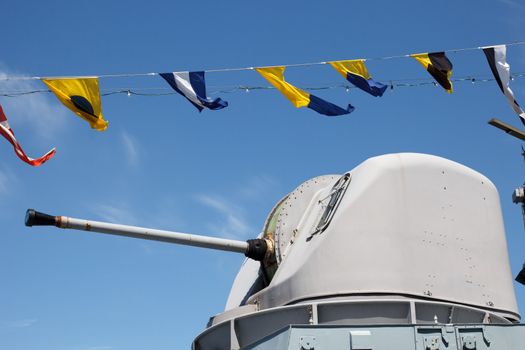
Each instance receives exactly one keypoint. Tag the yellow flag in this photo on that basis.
(82, 96)
(275, 76)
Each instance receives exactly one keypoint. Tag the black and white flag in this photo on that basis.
(496, 56)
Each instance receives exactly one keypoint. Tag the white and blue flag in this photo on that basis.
(192, 86)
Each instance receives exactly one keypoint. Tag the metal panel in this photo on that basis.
(433, 313)
(376, 312)
(463, 315)
(436, 338)
(336, 337)
(361, 340)
(476, 338)
(254, 327)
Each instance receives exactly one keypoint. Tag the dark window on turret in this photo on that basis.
(333, 199)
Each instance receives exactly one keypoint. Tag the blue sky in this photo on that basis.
(164, 165)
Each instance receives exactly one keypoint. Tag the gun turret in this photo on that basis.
(406, 243)
(259, 249)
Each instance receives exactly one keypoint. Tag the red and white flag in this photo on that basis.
(5, 131)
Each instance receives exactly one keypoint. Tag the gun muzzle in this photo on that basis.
(36, 218)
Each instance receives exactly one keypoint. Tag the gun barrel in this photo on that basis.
(35, 218)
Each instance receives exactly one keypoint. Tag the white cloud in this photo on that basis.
(166, 213)
(28, 322)
(130, 148)
(257, 186)
(161, 215)
(233, 223)
(114, 214)
(41, 111)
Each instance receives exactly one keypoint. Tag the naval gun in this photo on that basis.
(405, 251)
(255, 249)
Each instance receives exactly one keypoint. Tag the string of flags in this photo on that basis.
(158, 91)
(82, 94)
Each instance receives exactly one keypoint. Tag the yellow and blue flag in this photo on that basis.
(355, 72)
(298, 97)
(82, 96)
